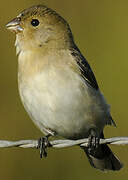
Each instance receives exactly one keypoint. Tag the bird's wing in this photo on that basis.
(85, 68)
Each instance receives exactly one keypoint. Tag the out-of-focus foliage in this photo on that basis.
(100, 29)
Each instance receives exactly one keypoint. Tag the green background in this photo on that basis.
(100, 28)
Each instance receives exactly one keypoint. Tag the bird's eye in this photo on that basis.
(35, 22)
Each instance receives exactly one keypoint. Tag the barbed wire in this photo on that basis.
(62, 143)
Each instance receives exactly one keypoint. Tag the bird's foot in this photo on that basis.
(43, 143)
(93, 140)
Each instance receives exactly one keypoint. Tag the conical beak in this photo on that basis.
(14, 25)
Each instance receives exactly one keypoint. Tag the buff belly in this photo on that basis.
(64, 105)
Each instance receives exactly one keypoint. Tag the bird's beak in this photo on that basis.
(14, 25)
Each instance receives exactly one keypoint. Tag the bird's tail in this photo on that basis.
(103, 158)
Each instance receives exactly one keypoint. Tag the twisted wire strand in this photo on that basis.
(62, 143)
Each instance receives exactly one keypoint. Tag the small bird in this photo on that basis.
(57, 86)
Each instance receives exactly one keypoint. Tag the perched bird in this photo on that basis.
(57, 86)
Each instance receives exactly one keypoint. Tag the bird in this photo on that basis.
(57, 86)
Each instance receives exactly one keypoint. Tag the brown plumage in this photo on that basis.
(56, 84)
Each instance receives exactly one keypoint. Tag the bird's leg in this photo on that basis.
(43, 143)
(93, 140)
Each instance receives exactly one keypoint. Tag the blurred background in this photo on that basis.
(100, 28)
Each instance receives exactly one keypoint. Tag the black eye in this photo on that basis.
(35, 22)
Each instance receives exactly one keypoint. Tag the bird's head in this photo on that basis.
(39, 26)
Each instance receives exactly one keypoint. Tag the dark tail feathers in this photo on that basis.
(103, 158)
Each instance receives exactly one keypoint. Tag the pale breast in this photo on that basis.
(57, 98)
(60, 101)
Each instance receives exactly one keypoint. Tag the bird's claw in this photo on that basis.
(43, 143)
(93, 140)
